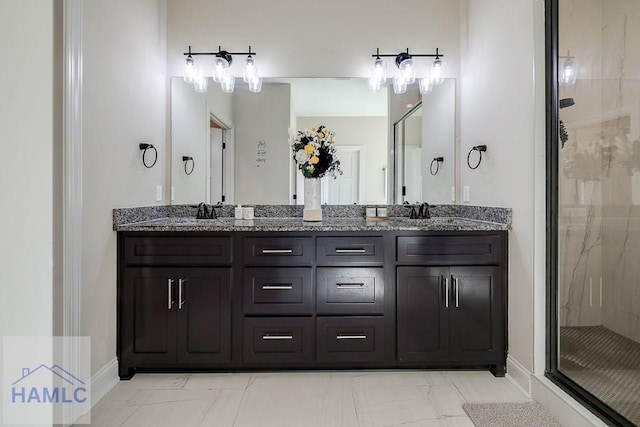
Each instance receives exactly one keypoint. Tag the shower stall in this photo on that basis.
(595, 205)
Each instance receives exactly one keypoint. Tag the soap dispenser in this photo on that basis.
(238, 212)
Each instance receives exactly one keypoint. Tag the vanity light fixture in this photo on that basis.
(190, 69)
(568, 74)
(200, 84)
(221, 72)
(407, 71)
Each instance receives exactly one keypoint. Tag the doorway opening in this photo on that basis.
(218, 137)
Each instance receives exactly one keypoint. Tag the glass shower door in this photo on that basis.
(598, 301)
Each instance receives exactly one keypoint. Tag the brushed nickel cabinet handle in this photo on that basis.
(446, 292)
(277, 337)
(276, 287)
(350, 285)
(181, 302)
(351, 337)
(350, 251)
(455, 283)
(277, 251)
(169, 294)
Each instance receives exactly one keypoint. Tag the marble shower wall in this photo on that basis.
(600, 167)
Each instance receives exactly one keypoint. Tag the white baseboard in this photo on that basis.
(104, 380)
(562, 406)
(519, 375)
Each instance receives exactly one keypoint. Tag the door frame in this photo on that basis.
(359, 149)
(226, 158)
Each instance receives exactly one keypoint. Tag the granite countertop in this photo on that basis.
(289, 218)
(327, 224)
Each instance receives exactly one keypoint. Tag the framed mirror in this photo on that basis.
(240, 141)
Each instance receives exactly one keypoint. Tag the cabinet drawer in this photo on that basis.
(278, 340)
(350, 339)
(350, 250)
(278, 251)
(439, 250)
(174, 250)
(278, 291)
(357, 290)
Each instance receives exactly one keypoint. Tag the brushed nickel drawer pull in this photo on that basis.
(276, 287)
(350, 285)
(351, 337)
(351, 251)
(277, 337)
(277, 251)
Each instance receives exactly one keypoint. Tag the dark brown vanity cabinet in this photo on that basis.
(314, 300)
(452, 314)
(278, 300)
(173, 316)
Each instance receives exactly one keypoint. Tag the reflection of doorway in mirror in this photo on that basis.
(413, 173)
(216, 170)
(347, 188)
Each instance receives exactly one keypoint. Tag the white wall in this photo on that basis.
(498, 109)
(262, 118)
(124, 103)
(29, 147)
(27, 108)
(371, 134)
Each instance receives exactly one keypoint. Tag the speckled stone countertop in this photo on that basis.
(335, 218)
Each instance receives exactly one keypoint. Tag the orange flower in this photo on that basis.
(314, 160)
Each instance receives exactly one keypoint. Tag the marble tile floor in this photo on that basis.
(301, 399)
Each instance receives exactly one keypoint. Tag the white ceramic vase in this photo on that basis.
(312, 207)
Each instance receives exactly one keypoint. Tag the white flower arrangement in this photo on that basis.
(315, 153)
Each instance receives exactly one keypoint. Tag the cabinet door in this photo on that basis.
(203, 302)
(423, 319)
(148, 316)
(477, 314)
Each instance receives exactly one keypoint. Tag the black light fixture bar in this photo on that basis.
(219, 52)
(414, 55)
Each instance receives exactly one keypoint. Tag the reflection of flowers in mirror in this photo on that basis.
(629, 152)
(582, 160)
(589, 160)
(315, 153)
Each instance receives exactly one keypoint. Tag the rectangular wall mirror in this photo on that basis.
(240, 142)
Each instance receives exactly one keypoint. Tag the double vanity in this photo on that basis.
(279, 293)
